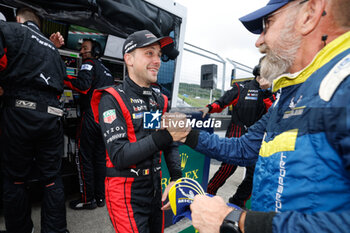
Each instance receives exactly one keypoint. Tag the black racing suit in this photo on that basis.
(32, 73)
(133, 182)
(249, 103)
(91, 163)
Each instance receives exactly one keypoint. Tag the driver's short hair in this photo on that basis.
(28, 14)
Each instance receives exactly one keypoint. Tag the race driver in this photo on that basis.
(133, 182)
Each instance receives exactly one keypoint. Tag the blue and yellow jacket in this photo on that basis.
(302, 147)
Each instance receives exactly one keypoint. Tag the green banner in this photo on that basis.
(189, 230)
(192, 165)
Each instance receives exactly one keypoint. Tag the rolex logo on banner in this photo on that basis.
(184, 158)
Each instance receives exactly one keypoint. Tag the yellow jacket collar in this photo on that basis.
(331, 50)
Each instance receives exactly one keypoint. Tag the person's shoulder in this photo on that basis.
(87, 65)
(100, 63)
(111, 90)
(241, 84)
(89, 61)
(119, 88)
(337, 78)
(251, 83)
(3, 23)
(10, 25)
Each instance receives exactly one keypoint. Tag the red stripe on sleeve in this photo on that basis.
(70, 86)
(269, 101)
(3, 61)
(165, 41)
(217, 108)
(165, 108)
(95, 101)
(126, 114)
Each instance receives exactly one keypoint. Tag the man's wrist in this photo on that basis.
(231, 222)
(162, 139)
(258, 221)
(242, 221)
(192, 138)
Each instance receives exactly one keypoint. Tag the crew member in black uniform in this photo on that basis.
(133, 183)
(91, 163)
(249, 103)
(31, 74)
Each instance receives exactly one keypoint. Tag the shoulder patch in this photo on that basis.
(333, 79)
(86, 67)
(109, 116)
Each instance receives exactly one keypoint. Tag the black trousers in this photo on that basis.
(244, 190)
(92, 160)
(31, 138)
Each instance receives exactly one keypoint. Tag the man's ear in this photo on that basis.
(310, 15)
(19, 19)
(129, 59)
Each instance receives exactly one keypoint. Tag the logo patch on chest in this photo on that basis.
(294, 112)
(252, 95)
(138, 115)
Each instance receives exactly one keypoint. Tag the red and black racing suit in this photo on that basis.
(249, 103)
(91, 164)
(133, 182)
(31, 74)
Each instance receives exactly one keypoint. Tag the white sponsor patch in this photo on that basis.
(115, 137)
(25, 104)
(55, 111)
(86, 67)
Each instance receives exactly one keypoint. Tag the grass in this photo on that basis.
(194, 102)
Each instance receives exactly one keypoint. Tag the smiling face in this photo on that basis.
(143, 64)
(85, 51)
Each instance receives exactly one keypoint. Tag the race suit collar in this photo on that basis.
(332, 49)
(139, 90)
(32, 25)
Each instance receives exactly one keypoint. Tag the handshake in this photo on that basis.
(177, 125)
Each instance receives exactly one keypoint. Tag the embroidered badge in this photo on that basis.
(109, 116)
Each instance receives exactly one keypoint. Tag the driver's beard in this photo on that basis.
(279, 59)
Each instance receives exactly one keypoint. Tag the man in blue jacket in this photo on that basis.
(302, 145)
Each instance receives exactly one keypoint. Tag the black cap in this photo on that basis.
(144, 38)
